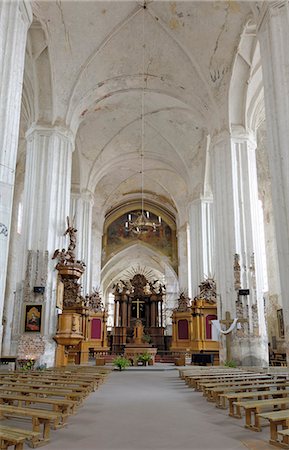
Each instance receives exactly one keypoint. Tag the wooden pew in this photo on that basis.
(285, 438)
(64, 407)
(255, 407)
(15, 436)
(76, 397)
(45, 381)
(202, 385)
(41, 386)
(38, 416)
(220, 394)
(235, 397)
(276, 418)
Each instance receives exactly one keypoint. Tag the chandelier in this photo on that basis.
(140, 222)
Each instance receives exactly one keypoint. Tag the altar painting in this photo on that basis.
(117, 236)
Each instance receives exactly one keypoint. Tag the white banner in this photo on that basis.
(217, 325)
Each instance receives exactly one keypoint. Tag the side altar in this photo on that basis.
(192, 326)
(82, 322)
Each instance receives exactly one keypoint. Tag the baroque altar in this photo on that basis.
(192, 321)
(138, 300)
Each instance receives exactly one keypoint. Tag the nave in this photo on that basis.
(153, 409)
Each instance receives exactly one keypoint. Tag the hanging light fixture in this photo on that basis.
(140, 222)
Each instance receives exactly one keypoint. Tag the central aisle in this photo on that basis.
(150, 410)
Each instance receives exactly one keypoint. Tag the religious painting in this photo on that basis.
(33, 317)
(280, 323)
(118, 236)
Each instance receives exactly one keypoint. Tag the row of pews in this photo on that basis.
(251, 394)
(45, 398)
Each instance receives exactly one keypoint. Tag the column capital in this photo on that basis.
(219, 137)
(200, 200)
(87, 196)
(240, 134)
(237, 134)
(49, 130)
(273, 7)
(26, 12)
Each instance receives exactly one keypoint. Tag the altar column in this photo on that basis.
(15, 19)
(238, 225)
(273, 35)
(201, 241)
(46, 206)
(81, 208)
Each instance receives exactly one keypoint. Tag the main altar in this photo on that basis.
(138, 300)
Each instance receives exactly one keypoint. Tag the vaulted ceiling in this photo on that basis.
(104, 56)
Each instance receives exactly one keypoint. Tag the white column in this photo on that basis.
(15, 18)
(183, 257)
(96, 256)
(238, 231)
(273, 34)
(81, 208)
(46, 206)
(201, 241)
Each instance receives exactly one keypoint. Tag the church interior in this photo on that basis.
(144, 190)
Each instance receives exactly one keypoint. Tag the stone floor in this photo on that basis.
(153, 409)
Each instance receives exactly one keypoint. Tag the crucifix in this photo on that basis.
(137, 302)
(228, 322)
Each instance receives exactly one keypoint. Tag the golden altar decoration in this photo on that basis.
(191, 322)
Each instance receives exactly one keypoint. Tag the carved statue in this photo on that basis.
(94, 302)
(208, 290)
(237, 272)
(138, 332)
(72, 238)
(71, 293)
(67, 257)
(183, 303)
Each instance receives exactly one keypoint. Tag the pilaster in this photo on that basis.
(81, 208)
(183, 257)
(201, 241)
(15, 18)
(46, 205)
(238, 222)
(96, 256)
(273, 36)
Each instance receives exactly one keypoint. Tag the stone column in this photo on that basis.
(46, 206)
(273, 35)
(237, 227)
(81, 208)
(96, 238)
(201, 241)
(183, 257)
(15, 18)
